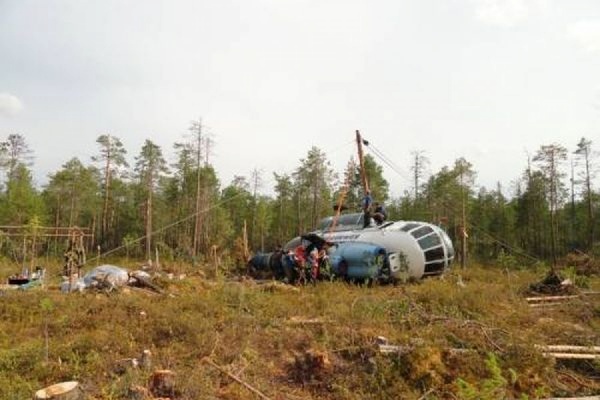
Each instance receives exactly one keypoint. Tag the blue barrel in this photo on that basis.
(358, 260)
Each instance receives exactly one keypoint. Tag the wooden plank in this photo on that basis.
(573, 356)
(569, 348)
(551, 298)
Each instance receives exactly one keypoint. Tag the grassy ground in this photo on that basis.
(470, 335)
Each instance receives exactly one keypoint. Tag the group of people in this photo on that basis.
(372, 210)
(307, 262)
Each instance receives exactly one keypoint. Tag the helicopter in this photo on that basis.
(394, 250)
(344, 246)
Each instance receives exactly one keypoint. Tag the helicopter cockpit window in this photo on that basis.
(346, 222)
(409, 226)
(325, 223)
(422, 231)
(434, 254)
(429, 241)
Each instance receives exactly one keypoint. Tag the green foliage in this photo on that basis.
(495, 386)
(578, 280)
(46, 305)
(507, 260)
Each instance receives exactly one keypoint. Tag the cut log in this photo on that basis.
(137, 392)
(162, 383)
(575, 398)
(573, 356)
(550, 298)
(61, 391)
(393, 349)
(570, 348)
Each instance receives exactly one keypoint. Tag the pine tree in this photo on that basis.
(549, 159)
(112, 158)
(150, 166)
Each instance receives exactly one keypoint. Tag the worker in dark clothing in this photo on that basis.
(380, 214)
(366, 207)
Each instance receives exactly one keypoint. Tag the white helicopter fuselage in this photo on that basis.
(414, 249)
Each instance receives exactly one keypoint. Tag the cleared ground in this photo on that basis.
(469, 335)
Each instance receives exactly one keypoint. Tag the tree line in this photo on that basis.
(181, 209)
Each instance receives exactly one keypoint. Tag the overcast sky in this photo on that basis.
(488, 80)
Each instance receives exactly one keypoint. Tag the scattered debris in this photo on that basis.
(26, 280)
(109, 277)
(553, 284)
(61, 391)
(144, 361)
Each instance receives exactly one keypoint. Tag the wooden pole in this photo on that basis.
(463, 233)
(156, 257)
(245, 240)
(197, 129)
(361, 160)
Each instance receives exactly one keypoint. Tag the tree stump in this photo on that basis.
(137, 392)
(162, 383)
(61, 391)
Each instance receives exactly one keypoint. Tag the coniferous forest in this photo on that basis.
(180, 208)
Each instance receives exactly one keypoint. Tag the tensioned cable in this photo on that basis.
(390, 163)
(387, 161)
(164, 228)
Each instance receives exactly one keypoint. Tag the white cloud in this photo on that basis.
(505, 13)
(586, 34)
(9, 104)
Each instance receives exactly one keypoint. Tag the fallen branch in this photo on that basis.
(235, 378)
(143, 290)
(579, 380)
(305, 321)
(427, 393)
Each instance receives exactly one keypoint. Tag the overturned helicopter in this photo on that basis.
(344, 247)
(390, 252)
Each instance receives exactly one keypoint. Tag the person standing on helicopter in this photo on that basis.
(379, 214)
